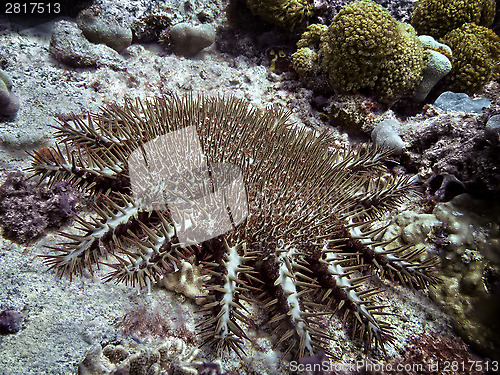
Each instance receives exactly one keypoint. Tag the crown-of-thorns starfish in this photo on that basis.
(299, 234)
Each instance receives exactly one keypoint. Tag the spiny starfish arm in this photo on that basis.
(403, 263)
(335, 275)
(85, 170)
(221, 328)
(153, 256)
(84, 250)
(97, 133)
(384, 193)
(359, 161)
(294, 316)
(287, 292)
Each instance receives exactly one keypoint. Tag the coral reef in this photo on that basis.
(99, 28)
(438, 17)
(9, 102)
(306, 60)
(295, 230)
(355, 113)
(149, 28)
(456, 145)
(464, 232)
(476, 55)
(28, 209)
(287, 14)
(365, 48)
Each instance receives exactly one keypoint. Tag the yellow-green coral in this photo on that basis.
(438, 17)
(476, 54)
(312, 36)
(287, 14)
(366, 48)
(304, 61)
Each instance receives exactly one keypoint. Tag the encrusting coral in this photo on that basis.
(269, 209)
(476, 58)
(438, 17)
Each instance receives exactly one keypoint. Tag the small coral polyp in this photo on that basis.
(306, 248)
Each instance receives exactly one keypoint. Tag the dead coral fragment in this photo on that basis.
(188, 280)
(173, 356)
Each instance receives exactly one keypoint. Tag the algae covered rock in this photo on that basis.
(476, 55)
(438, 17)
(366, 48)
(69, 46)
(101, 29)
(438, 65)
(461, 102)
(9, 103)
(385, 135)
(188, 40)
(464, 231)
(471, 267)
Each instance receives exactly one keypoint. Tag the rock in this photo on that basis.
(69, 46)
(461, 102)
(493, 124)
(102, 29)
(188, 40)
(9, 103)
(385, 135)
(438, 66)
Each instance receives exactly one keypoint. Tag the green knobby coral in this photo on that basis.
(305, 60)
(476, 54)
(366, 48)
(438, 17)
(287, 14)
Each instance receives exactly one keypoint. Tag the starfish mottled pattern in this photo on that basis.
(271, 211)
